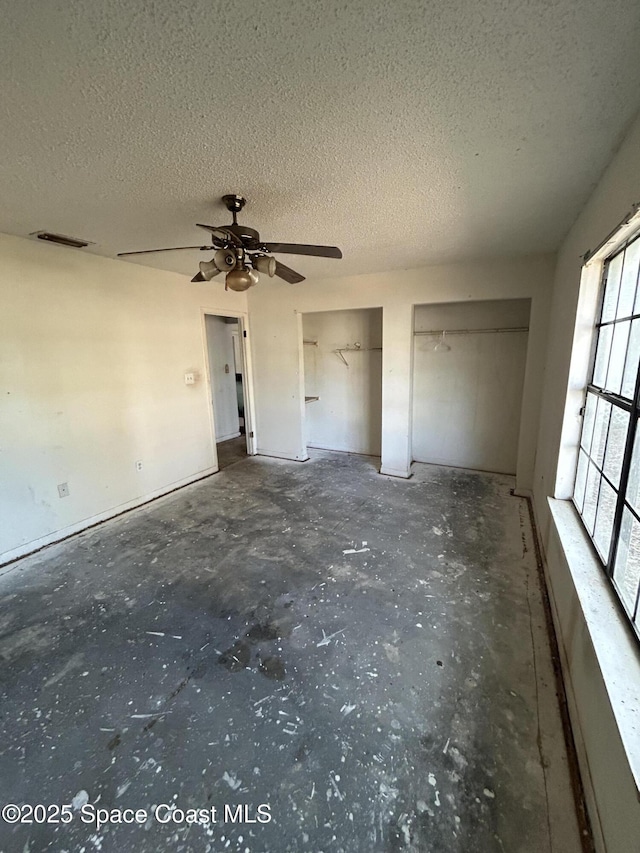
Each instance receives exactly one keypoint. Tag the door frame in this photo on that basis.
(247, 377)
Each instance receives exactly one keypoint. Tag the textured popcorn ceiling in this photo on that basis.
(406, 132)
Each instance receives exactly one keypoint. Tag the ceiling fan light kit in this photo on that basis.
(240, 279)
(241, 254)
(265, 264)
(222, 261)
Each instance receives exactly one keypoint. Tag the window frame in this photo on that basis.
(631, 405)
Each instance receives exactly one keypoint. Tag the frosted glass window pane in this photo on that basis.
(602, 356)
(604, 519)
(611, 290)
(626, 572)
(631, 364)
(591, 497)
(587, 423)
(633, 485)
(600, 428)
(617, 357)
(616, 442)
(581, 479)
(629, 279)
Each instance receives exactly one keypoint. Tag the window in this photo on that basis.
(607, 488)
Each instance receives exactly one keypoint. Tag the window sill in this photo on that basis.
(616, 649)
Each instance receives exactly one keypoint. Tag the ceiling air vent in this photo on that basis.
(63, 240)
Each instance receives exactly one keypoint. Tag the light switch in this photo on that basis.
(226, 368)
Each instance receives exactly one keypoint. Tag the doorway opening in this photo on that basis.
(343, 380)
(228, 388)
(469, 364)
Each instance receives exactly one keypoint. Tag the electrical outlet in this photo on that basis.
(189, 379)
(139, 465)
(63, 490)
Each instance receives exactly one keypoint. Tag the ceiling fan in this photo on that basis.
(241, 254)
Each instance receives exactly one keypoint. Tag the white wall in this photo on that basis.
(467, 398)
(612, 793)
(348, 415)
(276, 343)
(222, 377)
(93, 353)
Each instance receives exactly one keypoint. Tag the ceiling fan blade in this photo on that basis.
(222, 234)
(198, 277)
(170, 249)
(288, 274)
(304, 249)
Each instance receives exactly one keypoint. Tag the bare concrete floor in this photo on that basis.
(231, 451)
(363, 660)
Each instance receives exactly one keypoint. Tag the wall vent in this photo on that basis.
(62, 239)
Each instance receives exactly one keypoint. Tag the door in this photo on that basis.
(228, 364)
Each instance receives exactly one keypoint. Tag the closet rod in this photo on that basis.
(472, 331)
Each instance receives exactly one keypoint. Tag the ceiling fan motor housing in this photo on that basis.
(248, 235)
